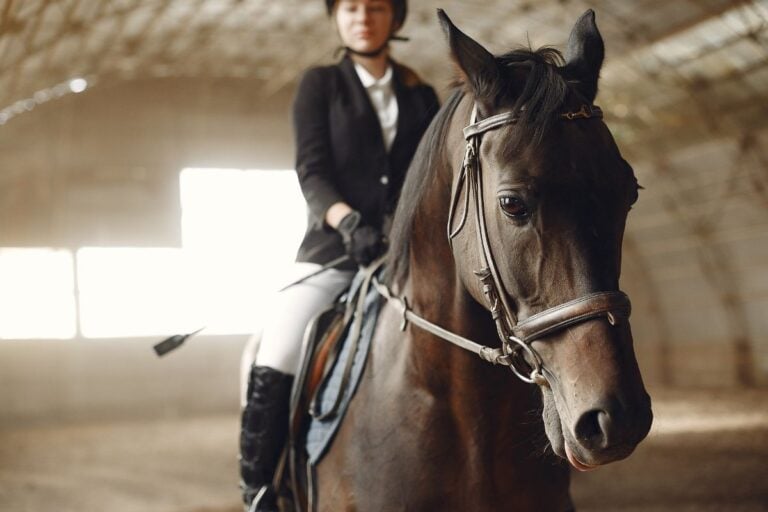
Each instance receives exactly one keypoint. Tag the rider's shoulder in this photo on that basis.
(407, 76)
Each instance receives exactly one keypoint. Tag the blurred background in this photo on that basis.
(146, 190)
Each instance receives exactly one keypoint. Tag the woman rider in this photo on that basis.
(357, 124)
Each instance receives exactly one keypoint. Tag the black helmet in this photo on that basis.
(400, 8)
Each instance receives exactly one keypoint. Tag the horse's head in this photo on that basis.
(554, 192)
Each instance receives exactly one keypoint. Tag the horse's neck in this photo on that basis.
(489, 412)
(488, 400)
(474, 386)
(437, 294)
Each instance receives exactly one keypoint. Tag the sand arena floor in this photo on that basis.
(708, 451)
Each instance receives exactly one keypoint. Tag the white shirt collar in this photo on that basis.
(368, 79)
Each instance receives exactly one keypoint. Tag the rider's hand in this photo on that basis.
(363, 243)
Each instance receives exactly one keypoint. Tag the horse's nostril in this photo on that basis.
(592, 427)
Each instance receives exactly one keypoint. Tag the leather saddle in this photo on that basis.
(333, 331)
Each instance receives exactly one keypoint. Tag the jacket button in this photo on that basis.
(384, 180)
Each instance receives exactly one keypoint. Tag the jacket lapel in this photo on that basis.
(403, 107)
(363, 108)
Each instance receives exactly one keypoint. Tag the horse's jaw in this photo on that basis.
(552, 426)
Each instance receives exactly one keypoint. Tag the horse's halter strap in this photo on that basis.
(516, 337)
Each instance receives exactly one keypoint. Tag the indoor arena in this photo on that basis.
(178, 177)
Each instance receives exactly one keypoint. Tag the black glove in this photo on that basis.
(363, 243)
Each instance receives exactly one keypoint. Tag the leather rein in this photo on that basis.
(516, 351)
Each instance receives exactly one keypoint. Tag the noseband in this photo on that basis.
(516, 351)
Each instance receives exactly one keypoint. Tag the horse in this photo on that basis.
(509, 231)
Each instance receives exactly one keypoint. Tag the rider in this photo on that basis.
(357, 124)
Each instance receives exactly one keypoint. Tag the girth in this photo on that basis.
(516, 337)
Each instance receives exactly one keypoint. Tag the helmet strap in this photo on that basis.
(377, 51)
(373, 53)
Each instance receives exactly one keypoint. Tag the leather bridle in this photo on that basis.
(516, 351)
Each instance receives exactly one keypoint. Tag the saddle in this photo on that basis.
(334, 351)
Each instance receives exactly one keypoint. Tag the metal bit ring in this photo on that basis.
(534, 356)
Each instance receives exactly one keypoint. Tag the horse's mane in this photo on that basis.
(542, 95)
(420, 174)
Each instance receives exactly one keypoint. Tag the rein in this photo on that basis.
(516, 351)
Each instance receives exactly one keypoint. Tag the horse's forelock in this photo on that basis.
(531, 82)
(535, 88)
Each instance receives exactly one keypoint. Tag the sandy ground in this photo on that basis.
(708, 451)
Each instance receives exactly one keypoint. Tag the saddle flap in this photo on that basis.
(322, 333)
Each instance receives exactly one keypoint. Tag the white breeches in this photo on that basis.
(279, 343)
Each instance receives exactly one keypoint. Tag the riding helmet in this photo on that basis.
(400, 8)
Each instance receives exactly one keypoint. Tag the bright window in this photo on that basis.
(37, 297)
(134, 292)
(240, 232)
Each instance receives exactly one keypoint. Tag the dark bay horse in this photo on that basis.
(522, 173)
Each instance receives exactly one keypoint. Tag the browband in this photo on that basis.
(490, 123)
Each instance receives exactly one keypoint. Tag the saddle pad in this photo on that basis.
(321, 432)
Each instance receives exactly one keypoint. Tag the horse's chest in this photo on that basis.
(395, 455)
(402, 454)
(403, 448)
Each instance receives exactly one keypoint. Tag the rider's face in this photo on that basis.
(364, 25)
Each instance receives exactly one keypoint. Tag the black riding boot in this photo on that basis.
(263, 434)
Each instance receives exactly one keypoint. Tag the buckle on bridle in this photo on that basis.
(585, 112)
(469, 154)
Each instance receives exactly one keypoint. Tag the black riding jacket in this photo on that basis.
(340, 151)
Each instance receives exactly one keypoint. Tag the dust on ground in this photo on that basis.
(707, 451)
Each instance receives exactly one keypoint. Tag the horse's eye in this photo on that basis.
(514, 207)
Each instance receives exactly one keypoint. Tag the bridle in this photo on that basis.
(516, 336)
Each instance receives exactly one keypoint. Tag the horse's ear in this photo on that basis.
(476, 64)
(584, 56)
